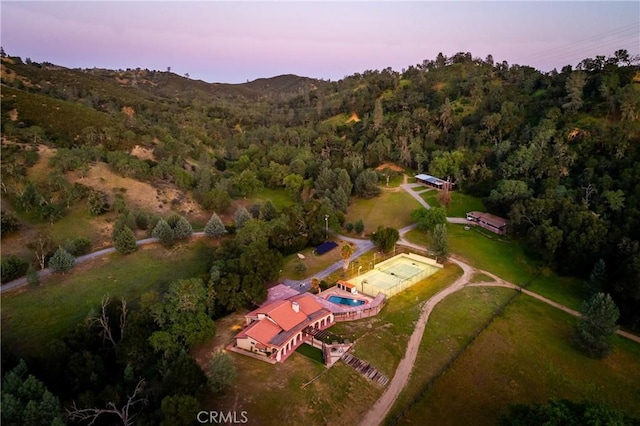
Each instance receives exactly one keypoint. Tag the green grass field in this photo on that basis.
(396, 212)
(33, 317)
(525, 356)
(508, 260)
(451, 326)
(279, 197)
(311, 352)
(460, 203)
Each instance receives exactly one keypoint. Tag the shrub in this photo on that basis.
(62, 260)
(359, 226)
(142, 221)
(98, 203)
(125, 241)
(125, 220)
(183, 229)
(13, 267)
(222, 372)
(78, 246)
(163, 232)
(173, 219)
(32, 276)
(215, 228)
(9, 223)
(349, 226)
(300, 267)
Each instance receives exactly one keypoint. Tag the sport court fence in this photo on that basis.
(391, 275)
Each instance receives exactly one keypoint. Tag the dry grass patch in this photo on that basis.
(40, 171)
(273, 394)
(313, 262)
(141, 195)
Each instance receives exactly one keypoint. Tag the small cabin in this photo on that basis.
(489, 221)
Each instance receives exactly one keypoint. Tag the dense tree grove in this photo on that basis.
(565, 412)
(558, 153)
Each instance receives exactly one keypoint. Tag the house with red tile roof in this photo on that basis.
(277, 328)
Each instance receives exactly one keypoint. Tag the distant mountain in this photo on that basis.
(157, 83)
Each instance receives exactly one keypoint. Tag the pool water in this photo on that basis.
(345, 301)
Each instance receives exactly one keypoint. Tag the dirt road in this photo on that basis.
(379, 411)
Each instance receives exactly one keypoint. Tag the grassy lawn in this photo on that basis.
(311, 352)
(460, 203)
(279, 197)
(313, 262)
(394, 181)
(525, 357)
(273, 394)
(451, 326)
(33, 317)
(396, 212)
(508, 260)
(78, 222)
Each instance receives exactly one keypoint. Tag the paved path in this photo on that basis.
(12, 285)
(408, 187)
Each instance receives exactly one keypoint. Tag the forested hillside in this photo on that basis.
(558, 153)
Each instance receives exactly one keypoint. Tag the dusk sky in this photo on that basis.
(233, 42)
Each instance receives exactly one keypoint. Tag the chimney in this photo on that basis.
(295, 306)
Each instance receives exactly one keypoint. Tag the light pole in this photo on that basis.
(326, 226)
(359, 268)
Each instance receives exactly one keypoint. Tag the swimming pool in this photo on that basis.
(345, 301)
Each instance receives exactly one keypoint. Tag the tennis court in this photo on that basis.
(396, 274)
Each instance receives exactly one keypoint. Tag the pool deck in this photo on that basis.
(346, 311)
(281, 291)
(335, 291)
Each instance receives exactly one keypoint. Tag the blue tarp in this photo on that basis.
(325, 247)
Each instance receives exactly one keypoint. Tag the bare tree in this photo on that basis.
(103, 321)
(124, 413)
(41, 247)
(589, 191)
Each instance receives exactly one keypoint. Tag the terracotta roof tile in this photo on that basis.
(262, 331)
(286, 317)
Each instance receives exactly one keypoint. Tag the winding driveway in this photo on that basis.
(381, 408)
